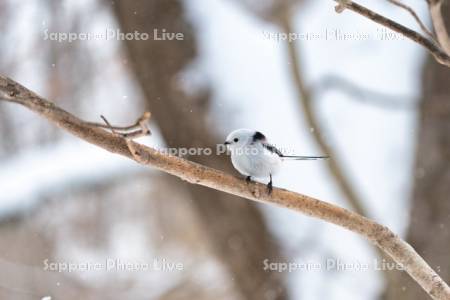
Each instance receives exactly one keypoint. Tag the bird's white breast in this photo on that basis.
(256, 161)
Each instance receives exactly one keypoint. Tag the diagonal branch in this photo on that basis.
(438, 53)
(194, 173)
(415, 16)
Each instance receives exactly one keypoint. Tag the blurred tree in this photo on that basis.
(430, 216)
(236, 229)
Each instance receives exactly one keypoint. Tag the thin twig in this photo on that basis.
(195, 173)
(127, 131)
(416, 17)
(128, 138)
(439, 54)
(108, 125)
(131, 134)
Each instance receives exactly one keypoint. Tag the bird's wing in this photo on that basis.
(272, 149)
(258, 136)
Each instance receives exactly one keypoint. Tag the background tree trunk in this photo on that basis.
(236, 229)
(430, 216)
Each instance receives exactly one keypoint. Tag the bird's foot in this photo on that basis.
(269, 188)
(248, 179)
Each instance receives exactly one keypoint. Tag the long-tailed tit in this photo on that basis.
(253, 156)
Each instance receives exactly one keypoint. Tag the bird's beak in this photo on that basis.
(226, 143)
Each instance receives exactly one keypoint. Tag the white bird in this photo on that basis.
(253, 156)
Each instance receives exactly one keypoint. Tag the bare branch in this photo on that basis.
(128, 132)
(435, 8)
(439, 54)
(415, 16)
(138, 129)
(195, 173)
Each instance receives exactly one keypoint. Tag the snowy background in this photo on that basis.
(251, 88)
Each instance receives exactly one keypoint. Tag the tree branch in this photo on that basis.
(435, 8)
(415, 16)
(194, 173)
(438, 53)
(138, 129)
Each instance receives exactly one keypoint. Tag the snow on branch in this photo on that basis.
(400, 251)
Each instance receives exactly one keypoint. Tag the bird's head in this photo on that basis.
(239, 138)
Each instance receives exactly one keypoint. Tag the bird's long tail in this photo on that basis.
(289, 157)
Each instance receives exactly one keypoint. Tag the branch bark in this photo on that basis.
(379, 235)
(438, 53)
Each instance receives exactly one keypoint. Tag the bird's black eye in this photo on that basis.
(236, 140)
